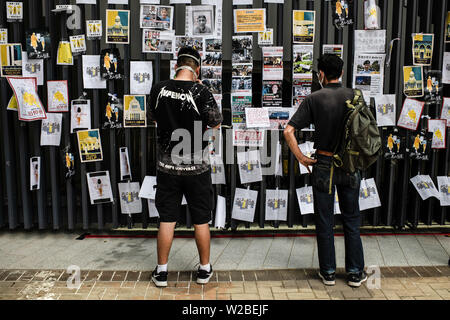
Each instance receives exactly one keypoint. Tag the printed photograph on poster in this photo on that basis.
(78, 44)
(130, 203)
(64, 55)
(156, 17)
(215, 142)
(241, 84)
(307, 148)
(242, 70)
(422, 49)
(111, 66)
(244, 205)
(125, 169)
(410, 114)
(51, 130)
(247, 138)
(212, 59)
(80, 115)
(413, 81)
(433, 86)
(94, 29)
(33, 68)
(217, 169)
(385, 110)
(272, 95)
(38, 44)
(91, 73)
(370, 41)
(279, 117)
(272, 63)
(303, 26)
(11, 56)
(394, 144)
(148, 189)
(249, 166)
(305, 199)
(14, 11)
(336, 49)
(368, 195)
(419, 145)
(99, 185)
(90, 145)
(444, 190)
(438, 127)
(424, 186)
(184, 41)
(213, 45)
(342, 13)
(117, 26)
(301, 89)
(141, 77)
(445, 113)
(3, 35)
(368, 74)
(238, 105)
(134, 112)
(276, 205)
(214, 86)
(303, 62)
(200, 20)
(212, 73)
(257, 118)
(157, 41)
(29, 105)
(265, 38)
(249, 20)
(57, 96)
(35, 173)
(69, 161)
(242, 47)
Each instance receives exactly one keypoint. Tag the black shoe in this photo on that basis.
(356, 279)
(160, 279)
(203, 276)
(328, 279)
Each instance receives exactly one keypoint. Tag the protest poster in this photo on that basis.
(411, 114)
(38, 44)
(249, 164)
(445, 113)
(238, 105)
(148, 189)
(200, 21)
(14, 12)
(272, 94)
(29, 105)
(257, 118)
(35, 173)
(444, 190)
(99, 185)
(78, 44)
(11, 59)
(244, 205)
(57, 96)
(94, 29)
(247, 138)
(111, 65)
(91, 73)
(134, 114)
(157, 41)
(265, 38)
(302, 73)
(272, 63)
(419, 145)
(217, 169)
(141, 77)
(336, 49)
(438, 127)
(90, 145)
(342, 13)
(413, 81)
(130, 203)
(51, 130)
(394, 144)
(425, 186)
(433, 86)
(422, 49)
(221, 213)
(249, 20)
(368, 74)
(80, 115)
(307, 148)
(385, 110)
(33, 68)
(446, 68)
(156, 17)
(305, 199)
(276, 205)
(303, 24)
(125, 169)
(117, 26)
(368, 195)
(113, 112)
(3, 35)
(64, 55)
(370, 41)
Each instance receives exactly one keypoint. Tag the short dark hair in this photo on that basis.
(201, 16)
(331, 65)
(187, 61)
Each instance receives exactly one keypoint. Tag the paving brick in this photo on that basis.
(303, 284)
(301, 296)
(436, 297)
(290, 284)
(280, 296)
(128, 284)
(223, 276)
(171, 276)
(108, 284)
(283, 290)
(273, 275)
(337, 295)
(132, 276)
(236, 276)
(27, 275)
(147, 275)
(432, 271)
(269, 284)
(223, 296)
(14, 275)
(444, 293)
(93, 276)
(442, 285)
(249, 276)
(317, 284)
(445, 271)
(184, 276)
(321, 294)
(106, 276)
(244, 296)
(119, 276)
(188, 297)
(167, 297)
(166, 291)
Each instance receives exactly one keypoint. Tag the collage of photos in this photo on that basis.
(156, 17)
(157, 41)
(242, 64)
(302, 73)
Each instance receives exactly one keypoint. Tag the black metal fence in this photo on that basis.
(62, 204)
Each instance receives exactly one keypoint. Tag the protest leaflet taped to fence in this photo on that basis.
(247, 137)
(272, 94)
(14, 12)
(419, 145)
(152, 211)
(342, 13)
(90, 145)
(385, 110)
(394, 144)
(157, 41)
(265, 38)
(272, 63)
(302, 73)
(249, 20)
(438, 127)
(305, 199)
(141, 77)
(221, 212)
(57, 96)
(217, 169)
(445, 113)
(433, 86)
(38, 44)
(444, 190)
(99, 185)
(239, 102)
(28, 102)
(94, 29)
(303, 24)
(200, 21)
(307, 148)
(156, 17)
(411, 114)
(11, 59)
(64, 55)
(257, 118)
(117, 26)
(111, 65)
(370, 41)
(91, 73)
(425, 186)
(368, 74)
(413, 81)
(249, 166)
(368, 195)
(35, 173)
(242, 47)
(134, 114)
(279, 117)
(125, 169)
(51, 130)
(113, 112)
(3, 35)
(33, 68)
(78, 44)
(336, 49)
(276, 205)
(80, 115)
(244, 205)
(422, 49)
(130, 203)
(148, 189)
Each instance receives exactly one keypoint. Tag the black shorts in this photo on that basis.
(198, 192)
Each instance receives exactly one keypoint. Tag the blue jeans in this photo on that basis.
(347, 186)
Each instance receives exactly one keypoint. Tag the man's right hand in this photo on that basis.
(306, 161)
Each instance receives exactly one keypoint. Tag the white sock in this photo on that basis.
(161, 268)
(206, 267)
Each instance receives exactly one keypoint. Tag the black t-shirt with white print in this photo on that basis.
(186, 109)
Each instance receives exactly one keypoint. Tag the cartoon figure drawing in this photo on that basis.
(59, 97)
(99, 186)
(29, 99)
(34, 41)
(412, 115)
(117, 28)
(109, 111)
(390, 143)
(107, 62)
(417, 142)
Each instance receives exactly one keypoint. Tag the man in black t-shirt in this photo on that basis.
(183, 110)
(326, 109)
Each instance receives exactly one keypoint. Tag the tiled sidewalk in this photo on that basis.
(417, 283)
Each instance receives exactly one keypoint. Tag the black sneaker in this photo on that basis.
(203, 276)
(328, 279)
(356, 279)
(160, 279)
